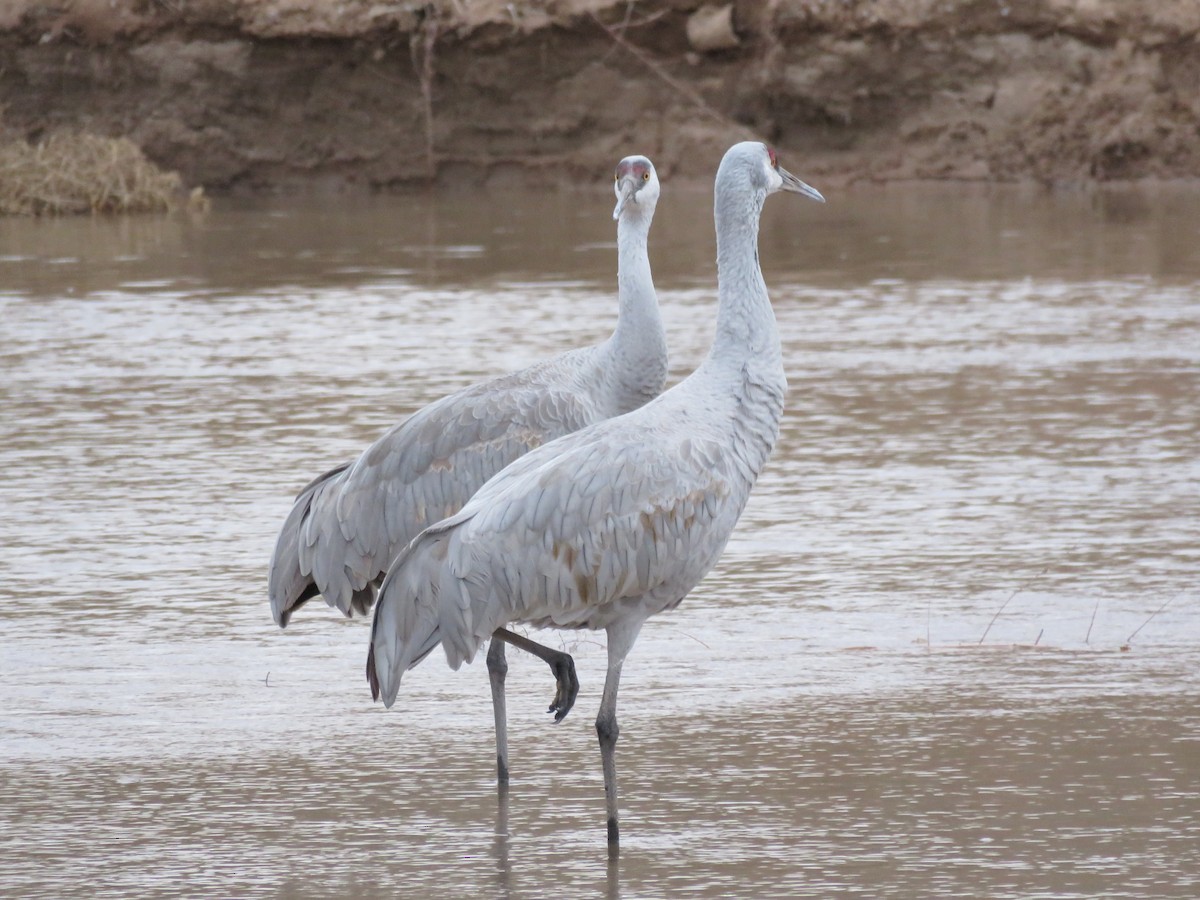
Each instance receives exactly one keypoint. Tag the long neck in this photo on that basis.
(746, 329)
(638, 346)
(746, 353)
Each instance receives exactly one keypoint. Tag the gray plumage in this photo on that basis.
(347, 526)
(607, 526)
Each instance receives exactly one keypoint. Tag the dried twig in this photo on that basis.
(1166, 602)
(628, 23)
(928, 624)
(671, 81)
(1016, 591)
(696, 639)
(1087, 636)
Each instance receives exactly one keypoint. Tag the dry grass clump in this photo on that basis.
(76, 172)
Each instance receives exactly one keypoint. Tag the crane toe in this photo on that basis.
(563, 667)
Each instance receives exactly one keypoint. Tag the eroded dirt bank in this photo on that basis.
(269, 94)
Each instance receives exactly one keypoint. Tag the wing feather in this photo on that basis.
(346, 529)
(549, 541)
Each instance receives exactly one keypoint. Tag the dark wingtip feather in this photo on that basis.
(372, 678)
(361, 602)
(285, 614)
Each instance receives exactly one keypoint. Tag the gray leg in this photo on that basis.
(621, 636)
(501, 844)
(497, 670)
(614, 877)
(608, 731)
(561, 664)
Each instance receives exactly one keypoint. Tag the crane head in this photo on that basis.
(636, 185)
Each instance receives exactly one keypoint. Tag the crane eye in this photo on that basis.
(645, 176)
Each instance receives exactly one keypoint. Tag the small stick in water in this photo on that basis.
(1129, 639)
(928, 617)
(1091, 623)
(1016, 591)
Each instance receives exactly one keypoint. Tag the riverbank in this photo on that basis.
(272, 95)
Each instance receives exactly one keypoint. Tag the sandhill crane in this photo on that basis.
(605, 527)
(348, 525)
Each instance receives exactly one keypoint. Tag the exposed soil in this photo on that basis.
(277, 94)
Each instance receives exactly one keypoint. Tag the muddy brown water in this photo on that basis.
(915, 672)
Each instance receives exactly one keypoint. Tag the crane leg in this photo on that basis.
(497, 667)
(621, 636)
(560, 663)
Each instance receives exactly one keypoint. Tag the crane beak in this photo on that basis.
(796, 186)
(627, 189)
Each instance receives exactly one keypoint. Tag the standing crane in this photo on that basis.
(347, 526)
(605, 527)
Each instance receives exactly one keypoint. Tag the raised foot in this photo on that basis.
(560, 663)
(563, 667)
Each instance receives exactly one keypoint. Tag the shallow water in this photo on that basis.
(952, 650)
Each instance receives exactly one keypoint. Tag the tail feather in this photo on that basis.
(289, 584)
(405, 629)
